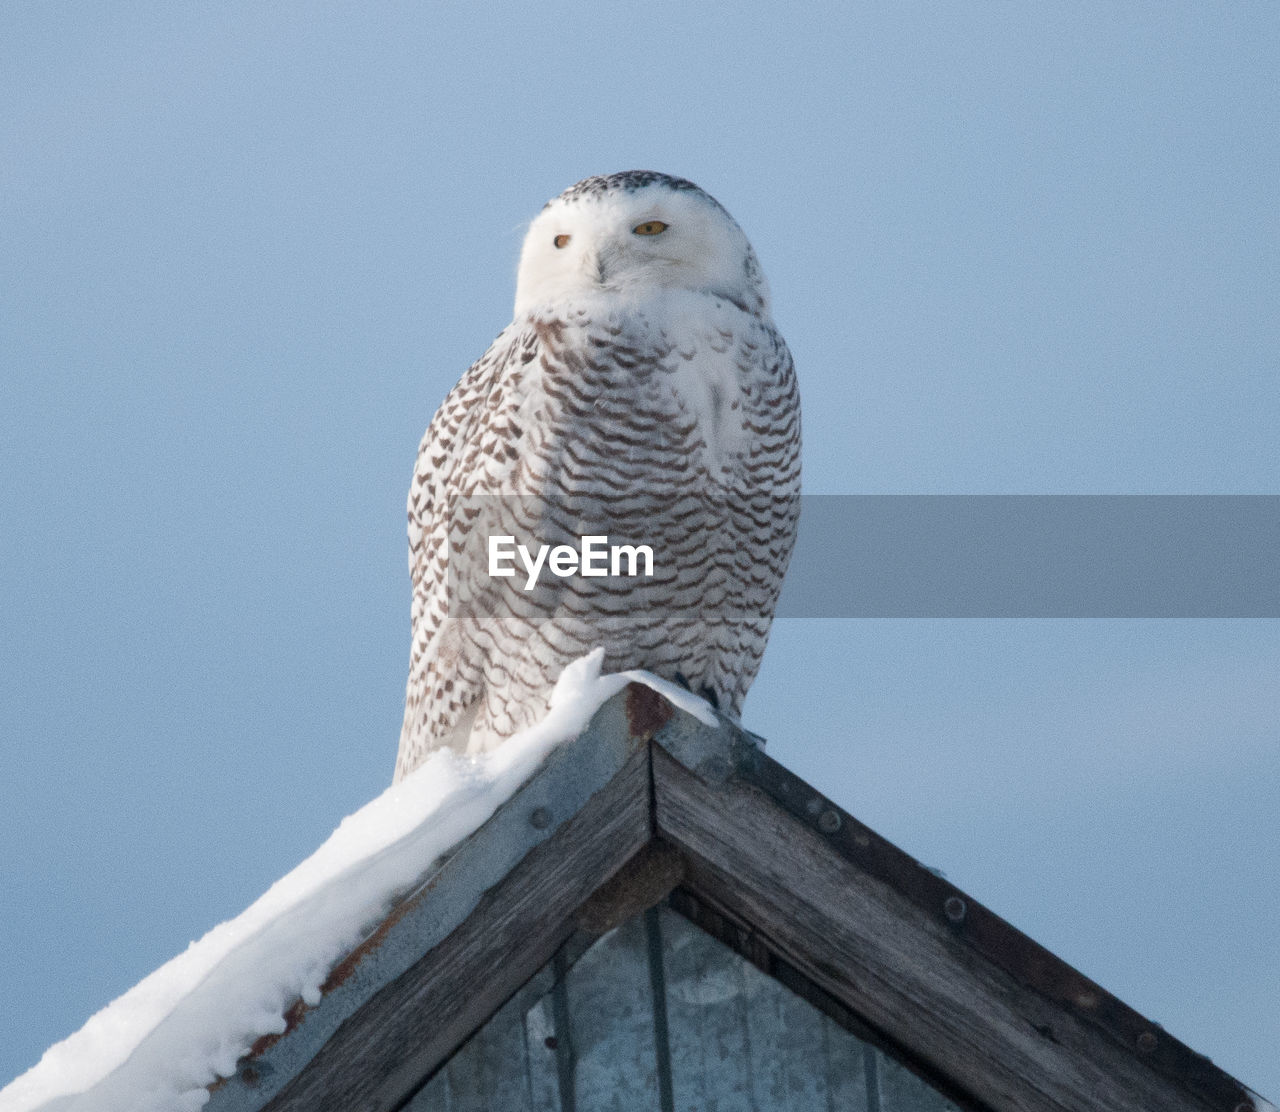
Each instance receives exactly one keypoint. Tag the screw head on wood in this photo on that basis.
(954, 909)
(829, 821)
(1146, 1042)
(540, 818)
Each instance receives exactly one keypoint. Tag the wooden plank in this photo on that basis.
(543, 1056)
(742, 1042)
(611, 1024)
(492, 1069)
(382, 1053)
(855, 1051)
(904, 970)
(712, 1059)
(487, 1073)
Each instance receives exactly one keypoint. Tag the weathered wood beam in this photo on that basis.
(383, 1052)
(906, 969)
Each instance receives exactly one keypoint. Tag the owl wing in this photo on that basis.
(470, 448)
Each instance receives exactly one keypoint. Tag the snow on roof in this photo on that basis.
(159, 1046)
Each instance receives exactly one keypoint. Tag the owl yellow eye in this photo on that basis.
(650, 228)
(561, 241)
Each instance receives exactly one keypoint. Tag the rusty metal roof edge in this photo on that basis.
(447, 895)
(716, 755)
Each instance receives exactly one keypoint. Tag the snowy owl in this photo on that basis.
(639, 421)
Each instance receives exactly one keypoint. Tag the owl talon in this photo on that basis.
(706, 692)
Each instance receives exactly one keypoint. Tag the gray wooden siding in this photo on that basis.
(659, 1015)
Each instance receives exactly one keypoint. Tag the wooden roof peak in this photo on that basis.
(647, 805)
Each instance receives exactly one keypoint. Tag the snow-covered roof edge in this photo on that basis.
(160, 1046)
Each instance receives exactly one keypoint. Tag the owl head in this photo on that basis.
(626, 235)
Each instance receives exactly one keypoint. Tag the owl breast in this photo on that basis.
(681, 391)
(671, 426)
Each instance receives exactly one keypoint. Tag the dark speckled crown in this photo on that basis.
(628, 181)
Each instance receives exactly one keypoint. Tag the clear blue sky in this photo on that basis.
(246, 248)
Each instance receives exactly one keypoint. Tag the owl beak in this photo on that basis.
(594, 265)
(599, 264)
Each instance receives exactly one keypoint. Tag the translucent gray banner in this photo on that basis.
(869, 556)
(1035, 556)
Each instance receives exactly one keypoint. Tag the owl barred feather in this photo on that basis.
(643, 393)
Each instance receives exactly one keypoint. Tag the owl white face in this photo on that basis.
(629, 234)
